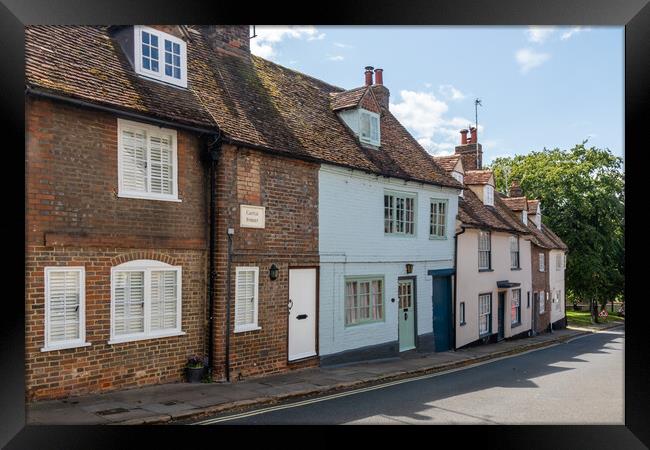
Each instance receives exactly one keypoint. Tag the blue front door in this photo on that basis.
(442, 320)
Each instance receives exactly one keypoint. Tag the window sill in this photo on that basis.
(247, 328)
(52, 348)
(368, 322)
(515, 325)
(125, 339)
(400, 235)
(486, 270)
(462, 324)
(438, 238)
(141, 196)
(515, 268)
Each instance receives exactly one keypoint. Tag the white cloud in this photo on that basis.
(424, 116)
(539, 35)
(450, 92)
(336, 58)
(269, 36)
(575, 30)
(529, 59)
(341, 45)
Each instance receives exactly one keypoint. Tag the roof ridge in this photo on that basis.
(299, 73)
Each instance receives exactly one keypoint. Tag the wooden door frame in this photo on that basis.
(317, 355)
(414, 279)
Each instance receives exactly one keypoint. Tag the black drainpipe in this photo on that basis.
(227, 362)
(456, 281)
(213, 148)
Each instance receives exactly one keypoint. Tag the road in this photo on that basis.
(578, 382)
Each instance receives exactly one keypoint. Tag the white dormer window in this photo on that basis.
(458, 177)
(160, 56)
(524, 217)
(488, 195)
(369, 127)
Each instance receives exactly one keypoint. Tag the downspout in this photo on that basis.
(231, 231)
(213, 150)
(456, 281)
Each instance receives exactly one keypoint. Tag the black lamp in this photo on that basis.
(273, 272)
(409, 268)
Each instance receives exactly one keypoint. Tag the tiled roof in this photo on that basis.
(447, 162)
(557, 242)
(533, 205)
(516, 203)
(477, 176)
(253, 101)
(538, 237)
(347, 99)
(474, 214)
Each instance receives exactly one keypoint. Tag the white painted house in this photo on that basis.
(380, 237)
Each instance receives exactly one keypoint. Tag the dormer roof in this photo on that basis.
(516, 203)
(450, 163)
(533, 206)
(479, 177)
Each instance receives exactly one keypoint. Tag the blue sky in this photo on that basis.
(539, 86)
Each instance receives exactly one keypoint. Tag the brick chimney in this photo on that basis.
(232, 39)
(467, 150)
(515, 189)
(382, 94)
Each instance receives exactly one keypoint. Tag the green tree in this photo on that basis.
(583, 201)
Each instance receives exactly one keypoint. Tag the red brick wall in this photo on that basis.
(540, 282)
(74, 217)
(289, 191)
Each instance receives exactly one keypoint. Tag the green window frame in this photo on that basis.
(363, 300)
(400, 214)
(439, 212)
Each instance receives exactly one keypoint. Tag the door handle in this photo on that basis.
(301, 316)
(406, 315)
(290, 305)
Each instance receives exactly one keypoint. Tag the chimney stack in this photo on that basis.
(369, 75)
(463, 137)
(379, 78)
(473, 135)
(515, 189)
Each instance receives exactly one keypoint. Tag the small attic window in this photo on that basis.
(160, 56)
(524, 217)
(458, 177)
(488, 195)
(369, 127)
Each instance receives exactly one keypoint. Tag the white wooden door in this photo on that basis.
(302, 313)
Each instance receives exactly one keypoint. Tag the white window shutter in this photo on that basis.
(161, 158)
(163, 300)
(374, 129)
(134, 161)
(128, 314)
(64, 289)
(246, 298)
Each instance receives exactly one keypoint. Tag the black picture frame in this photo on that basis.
(634, 15)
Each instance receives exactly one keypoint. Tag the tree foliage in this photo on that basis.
(583, 201)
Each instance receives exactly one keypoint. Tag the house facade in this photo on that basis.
(174, 205)
(493, 271)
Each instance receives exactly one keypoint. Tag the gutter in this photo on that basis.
(456, 280)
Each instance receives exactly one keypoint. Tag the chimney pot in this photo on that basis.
(463, 137)
(379, 78)
(369, 70)
(474, 135)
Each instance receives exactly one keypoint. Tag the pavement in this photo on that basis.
(173, 402)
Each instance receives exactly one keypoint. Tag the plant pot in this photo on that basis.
(194, 375)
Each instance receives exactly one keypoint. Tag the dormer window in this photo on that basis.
(160, 56)
(488, 195)
(524, 217)
(369, 127)
(458, 177)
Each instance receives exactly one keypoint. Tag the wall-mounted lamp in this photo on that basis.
(409, 268)
(273, 272)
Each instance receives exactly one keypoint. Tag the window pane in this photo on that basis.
(163, 300)
(128, 303)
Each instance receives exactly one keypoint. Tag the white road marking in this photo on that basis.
(379, 386)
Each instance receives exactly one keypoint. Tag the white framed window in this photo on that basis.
(458, 177)
(399, 213)
(541, 262)
(364, 300)
(461, 313)
(65, 313)
(246, 299)
(558, 299)
(369, 131)
(524, 217)
(160, 56)
(145, 301)
(514, 252)
(147, 161)
(559, 261)
(484, 250)
(515, 307)
(438, 219)
(488, 195)
(542, 303)
(484, 313)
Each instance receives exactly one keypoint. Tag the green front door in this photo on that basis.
(406, 294)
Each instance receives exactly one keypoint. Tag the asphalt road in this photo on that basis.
(579, 382)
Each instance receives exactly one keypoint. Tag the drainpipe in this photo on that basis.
(213, 148)
(231, 231)
(456, 280)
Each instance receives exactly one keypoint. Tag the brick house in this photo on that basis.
(172, 204)
(493, 273)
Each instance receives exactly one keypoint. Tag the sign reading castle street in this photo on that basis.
(252, 216)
